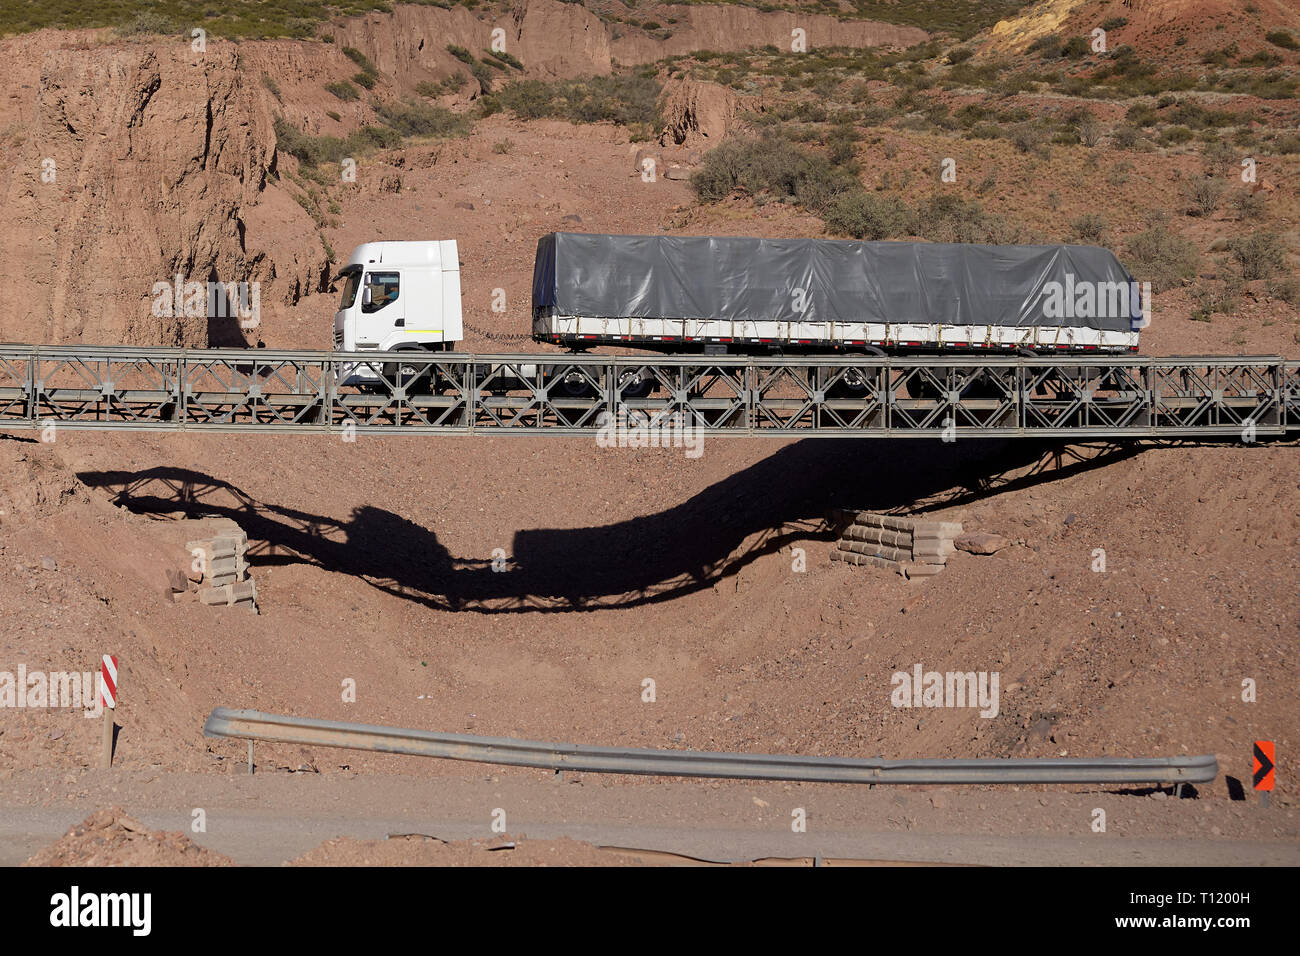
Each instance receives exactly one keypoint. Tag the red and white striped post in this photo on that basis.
(108, 697)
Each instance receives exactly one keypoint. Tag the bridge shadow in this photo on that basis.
(789, 497)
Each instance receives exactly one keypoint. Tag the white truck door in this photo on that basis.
(383, 306)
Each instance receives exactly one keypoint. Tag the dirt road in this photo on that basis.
(272, 818)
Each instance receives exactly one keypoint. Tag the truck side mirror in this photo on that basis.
(365, 295)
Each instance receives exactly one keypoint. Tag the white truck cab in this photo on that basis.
(399, 296)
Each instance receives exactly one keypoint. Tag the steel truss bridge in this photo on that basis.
(1094, 396)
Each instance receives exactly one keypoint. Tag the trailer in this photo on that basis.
(739, 295)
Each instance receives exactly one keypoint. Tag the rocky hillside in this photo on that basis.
(130, 161)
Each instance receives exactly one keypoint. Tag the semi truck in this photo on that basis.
(398, 297)
(738, 295)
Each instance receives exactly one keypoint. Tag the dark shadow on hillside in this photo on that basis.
(710, 536)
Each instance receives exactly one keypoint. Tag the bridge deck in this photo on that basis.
(1098, 396)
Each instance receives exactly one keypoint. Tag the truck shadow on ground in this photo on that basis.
(782, 500)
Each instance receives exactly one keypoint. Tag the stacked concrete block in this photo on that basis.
(222, 558)
(910, 546)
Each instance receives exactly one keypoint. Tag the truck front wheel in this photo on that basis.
(413, 376)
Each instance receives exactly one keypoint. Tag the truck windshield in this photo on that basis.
(351, 282)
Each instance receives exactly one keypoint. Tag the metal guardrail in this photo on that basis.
(263, 390)
(254, 725)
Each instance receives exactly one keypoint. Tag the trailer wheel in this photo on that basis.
(851, 383)
(574, 384)
(632, 385)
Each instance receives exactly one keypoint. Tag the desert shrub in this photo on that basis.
(343, 90)
(482, 74)
(1028, 137)
(819, 191)
(1204, 196)
(1218, 154)
(462, 54)
(412, 118)
(1287, 289)
(1211, 300)
(1088, 130)
(1265, 58)
(1246, 205)
(624, 99)
(840, 143)
(1259, 255)
(770, 164)
(1161, 257)
(1013, 83)
(1283, 39)
(864, 215)
(1119, 174)
(1174, 135)
(960, 55)
(430, 89)
(1075, 47)
(1114, 23)
(373, 137)
(507, 58)
(314, 150)
(1046, 46)
(528, 99)
(269, 82)
(1198, 117)
(360, 59)
(1141, 114)
(1126, 137)
(366, 80)
(1286, 144)
(149, 22)
(945, 217)
(1090, 228)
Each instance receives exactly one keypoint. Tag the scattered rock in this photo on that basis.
(49, 564)
(1041, 728)
(981, 542)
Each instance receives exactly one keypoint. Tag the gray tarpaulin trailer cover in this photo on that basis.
(808, 281)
